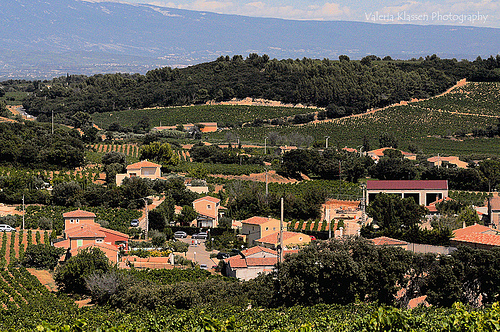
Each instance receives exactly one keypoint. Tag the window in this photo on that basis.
(79, 243)
(209, 206)
(133, 175)
(300, 239)
(267, 228)
(77, 221)
(98, 240)
(71, 221)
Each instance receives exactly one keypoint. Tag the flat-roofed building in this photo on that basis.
(424, 192)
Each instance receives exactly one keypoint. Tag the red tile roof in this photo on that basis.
(257, 249)
(99, 245)
(407, 184)
(273, 238)
(474, 229)
(78, 214)
(142, 164)
(86, 233)
(480, 238)
(387, 241)
(207, 198)
(240, 262)
(380, 152)
(258, 220)
(261, 261)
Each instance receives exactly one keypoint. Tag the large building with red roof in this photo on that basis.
(81, 231)
(255, 228)
(424, 192)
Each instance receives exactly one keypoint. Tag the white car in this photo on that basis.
(6, 228)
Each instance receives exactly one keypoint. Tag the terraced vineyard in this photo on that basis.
(425, 123)
(127, 149)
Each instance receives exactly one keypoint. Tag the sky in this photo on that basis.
(481, 13)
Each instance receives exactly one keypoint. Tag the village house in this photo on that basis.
(494, 212)
(209, 211)
(390, 242)
(255, 228)
(439, 161)
(81, 231)
(250, 263)
(424, 192)
(290, 240)
(143, 169)
(379, 153)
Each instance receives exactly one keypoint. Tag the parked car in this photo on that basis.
(222, 255)
(200, 235)
(6, 228)
(203, 266)
(134, 223)
(180, 234)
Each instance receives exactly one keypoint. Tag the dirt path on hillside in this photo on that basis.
(45, 278)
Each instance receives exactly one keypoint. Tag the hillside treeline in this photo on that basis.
(33, 145)
(345, 86)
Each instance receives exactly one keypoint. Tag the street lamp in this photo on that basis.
(326, 142)
(265, 145)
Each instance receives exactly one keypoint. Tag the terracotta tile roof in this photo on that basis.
(86, 233)
(387, 241)
(257, 249)
(236, 261)
(78, 214)
(407, 184)
(240, 262)
(273, 238)
(142, 164)
(62, 244)
(261, 261)
(207, 198)
(380, 152)
(258, 220)
(474, 229)
(432, 206)
(480, 238)
(439, 158)
(99, 245)
(112, 231)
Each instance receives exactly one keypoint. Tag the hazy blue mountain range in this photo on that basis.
(47, 38)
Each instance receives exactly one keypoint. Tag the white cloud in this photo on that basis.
(326, 11)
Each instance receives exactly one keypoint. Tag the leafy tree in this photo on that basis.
(161, 153)
(491, 170)
(394, 213)
(70, 277)
(156, 220)
(387, 140)
(67, 194)
(42, 256)
(114, 157)
(468, 216)
(187, 215)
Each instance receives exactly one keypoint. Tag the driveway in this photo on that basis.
(198, 253)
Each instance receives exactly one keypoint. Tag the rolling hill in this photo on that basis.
(49, 38)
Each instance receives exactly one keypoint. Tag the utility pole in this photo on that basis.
(52, 122)
(280, 248)
(265, 145)
(147, 218)
(327, 213)
(23, 211)
(267, 188)
(363, 205)
(340, 179)
(326, 142)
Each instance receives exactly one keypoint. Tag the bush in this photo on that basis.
(42, 256)
(70, 277)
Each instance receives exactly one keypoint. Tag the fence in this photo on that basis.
(427, 248)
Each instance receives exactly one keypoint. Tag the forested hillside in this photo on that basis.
(345, 86)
